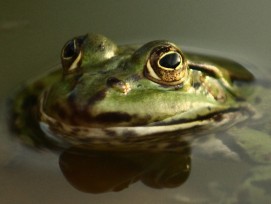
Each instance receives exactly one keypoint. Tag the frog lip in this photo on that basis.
(84, 134)
(76, 133)
(217, 116)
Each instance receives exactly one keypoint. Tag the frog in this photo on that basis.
(138, 97)
(105, 93)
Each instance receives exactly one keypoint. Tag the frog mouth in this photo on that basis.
(183, 123)
(79, 135)
(217, 117)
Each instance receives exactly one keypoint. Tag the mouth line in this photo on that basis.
(217, 116)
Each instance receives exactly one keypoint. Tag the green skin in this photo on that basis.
(105, 91)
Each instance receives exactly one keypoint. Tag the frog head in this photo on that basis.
(154, 87)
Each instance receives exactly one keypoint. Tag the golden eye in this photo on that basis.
(71, 54)
(166, 65)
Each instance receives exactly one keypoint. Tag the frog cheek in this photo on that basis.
(72, 54)
(166, 65)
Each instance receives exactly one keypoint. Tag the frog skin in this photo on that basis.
(139, 97)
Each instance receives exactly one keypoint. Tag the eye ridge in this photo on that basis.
(171, 60)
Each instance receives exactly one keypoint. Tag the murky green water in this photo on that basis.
(32, 35)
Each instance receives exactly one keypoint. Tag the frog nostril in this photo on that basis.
(118, 85)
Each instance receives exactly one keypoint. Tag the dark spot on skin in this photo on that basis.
(113, 117)
(16, 120)
(110, 133)
(209, 108)
(61, 112)
(143, 121)
(100, 95)
(76, 116)
(196, 85)
(218, 117)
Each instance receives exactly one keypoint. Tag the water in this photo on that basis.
(32, 35)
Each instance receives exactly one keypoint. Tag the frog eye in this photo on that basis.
(69, 49)
(170, 60)
(71, 54)
(166, 65)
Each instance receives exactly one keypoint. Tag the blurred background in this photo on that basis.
(32, 34)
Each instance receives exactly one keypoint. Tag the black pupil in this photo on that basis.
(170, 60)
(69, 50)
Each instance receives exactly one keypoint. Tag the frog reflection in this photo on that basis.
(105, 171)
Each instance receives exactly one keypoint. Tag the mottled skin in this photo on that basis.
(132, 97)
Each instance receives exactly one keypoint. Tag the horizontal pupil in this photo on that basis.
(170, 60)
(69, 49)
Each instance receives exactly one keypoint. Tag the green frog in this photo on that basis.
(138, 97)
(113, 94)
